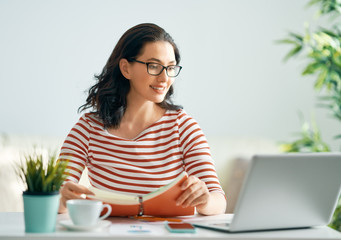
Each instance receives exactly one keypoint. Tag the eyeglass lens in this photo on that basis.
(156, 69)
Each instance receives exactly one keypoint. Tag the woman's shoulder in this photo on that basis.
(181, 116)
(91, 118)
(176, 114)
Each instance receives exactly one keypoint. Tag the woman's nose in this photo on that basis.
(163, 77)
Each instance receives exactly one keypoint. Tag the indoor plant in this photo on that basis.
(322, 49)
(41, 198)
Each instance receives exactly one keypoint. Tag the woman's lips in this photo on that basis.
(158, 89)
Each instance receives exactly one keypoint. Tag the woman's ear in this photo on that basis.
(125, 68)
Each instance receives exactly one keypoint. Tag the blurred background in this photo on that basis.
(234, 81)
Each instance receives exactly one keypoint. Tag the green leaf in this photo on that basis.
(312, 2)
(311, 68)
(296, 36)
(39, 178)
(330, 33)
(293, 52)
(337, 136)
(321, 79)
(309, 141)
(286, 41)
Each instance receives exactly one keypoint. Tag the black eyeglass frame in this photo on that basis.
(163, 67)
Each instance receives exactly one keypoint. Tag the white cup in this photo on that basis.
(86, 212)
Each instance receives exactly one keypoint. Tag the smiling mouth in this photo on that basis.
(158, 88)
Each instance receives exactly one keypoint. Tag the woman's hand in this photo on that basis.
(71, 190)
(197, 195)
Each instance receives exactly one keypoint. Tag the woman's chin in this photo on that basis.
(159, 99)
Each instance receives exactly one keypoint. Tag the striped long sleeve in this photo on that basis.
(173, 144)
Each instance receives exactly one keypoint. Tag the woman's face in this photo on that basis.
(144, 86)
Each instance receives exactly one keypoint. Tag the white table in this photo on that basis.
(12, 227)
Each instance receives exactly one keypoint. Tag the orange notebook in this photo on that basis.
(161, 202)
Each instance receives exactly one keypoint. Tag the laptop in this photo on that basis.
(285, 191)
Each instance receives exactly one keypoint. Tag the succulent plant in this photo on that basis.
(42, 177)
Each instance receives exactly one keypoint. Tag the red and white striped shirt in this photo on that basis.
(141, 165)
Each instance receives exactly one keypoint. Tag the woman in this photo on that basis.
(136, 140)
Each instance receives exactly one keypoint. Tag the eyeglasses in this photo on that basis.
(156, 69)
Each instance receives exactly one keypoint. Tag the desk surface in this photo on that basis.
(12, 227)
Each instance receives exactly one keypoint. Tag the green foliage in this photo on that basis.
(333, 103)
(327, 6)
(336, 220)
(297, 41)
(322, 49)
(309, 141)
(41, 179)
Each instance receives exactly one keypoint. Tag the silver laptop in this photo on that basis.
(284, 191)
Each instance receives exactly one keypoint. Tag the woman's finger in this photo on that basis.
(196, 192)
(202, 199)
(77, 188)
(188, 186)
(189, 181)
(72, 190)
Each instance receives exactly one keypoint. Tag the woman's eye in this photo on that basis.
(153, 66)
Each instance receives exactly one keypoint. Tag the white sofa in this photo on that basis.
(231, 157)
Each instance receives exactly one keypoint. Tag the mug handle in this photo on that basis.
(107, 213)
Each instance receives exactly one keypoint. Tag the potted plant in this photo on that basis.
(41, 198)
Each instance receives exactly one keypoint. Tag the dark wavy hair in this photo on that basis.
(107, 97)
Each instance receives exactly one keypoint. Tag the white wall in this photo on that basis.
(233, 81)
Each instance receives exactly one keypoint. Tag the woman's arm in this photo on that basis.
(75, 151)
(202, 188)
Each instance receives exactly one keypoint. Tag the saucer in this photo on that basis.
(70, 226)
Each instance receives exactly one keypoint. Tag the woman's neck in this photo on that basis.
(141, 111)
(137, 118)
(146, 112)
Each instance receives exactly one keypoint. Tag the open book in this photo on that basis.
(161, 202)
